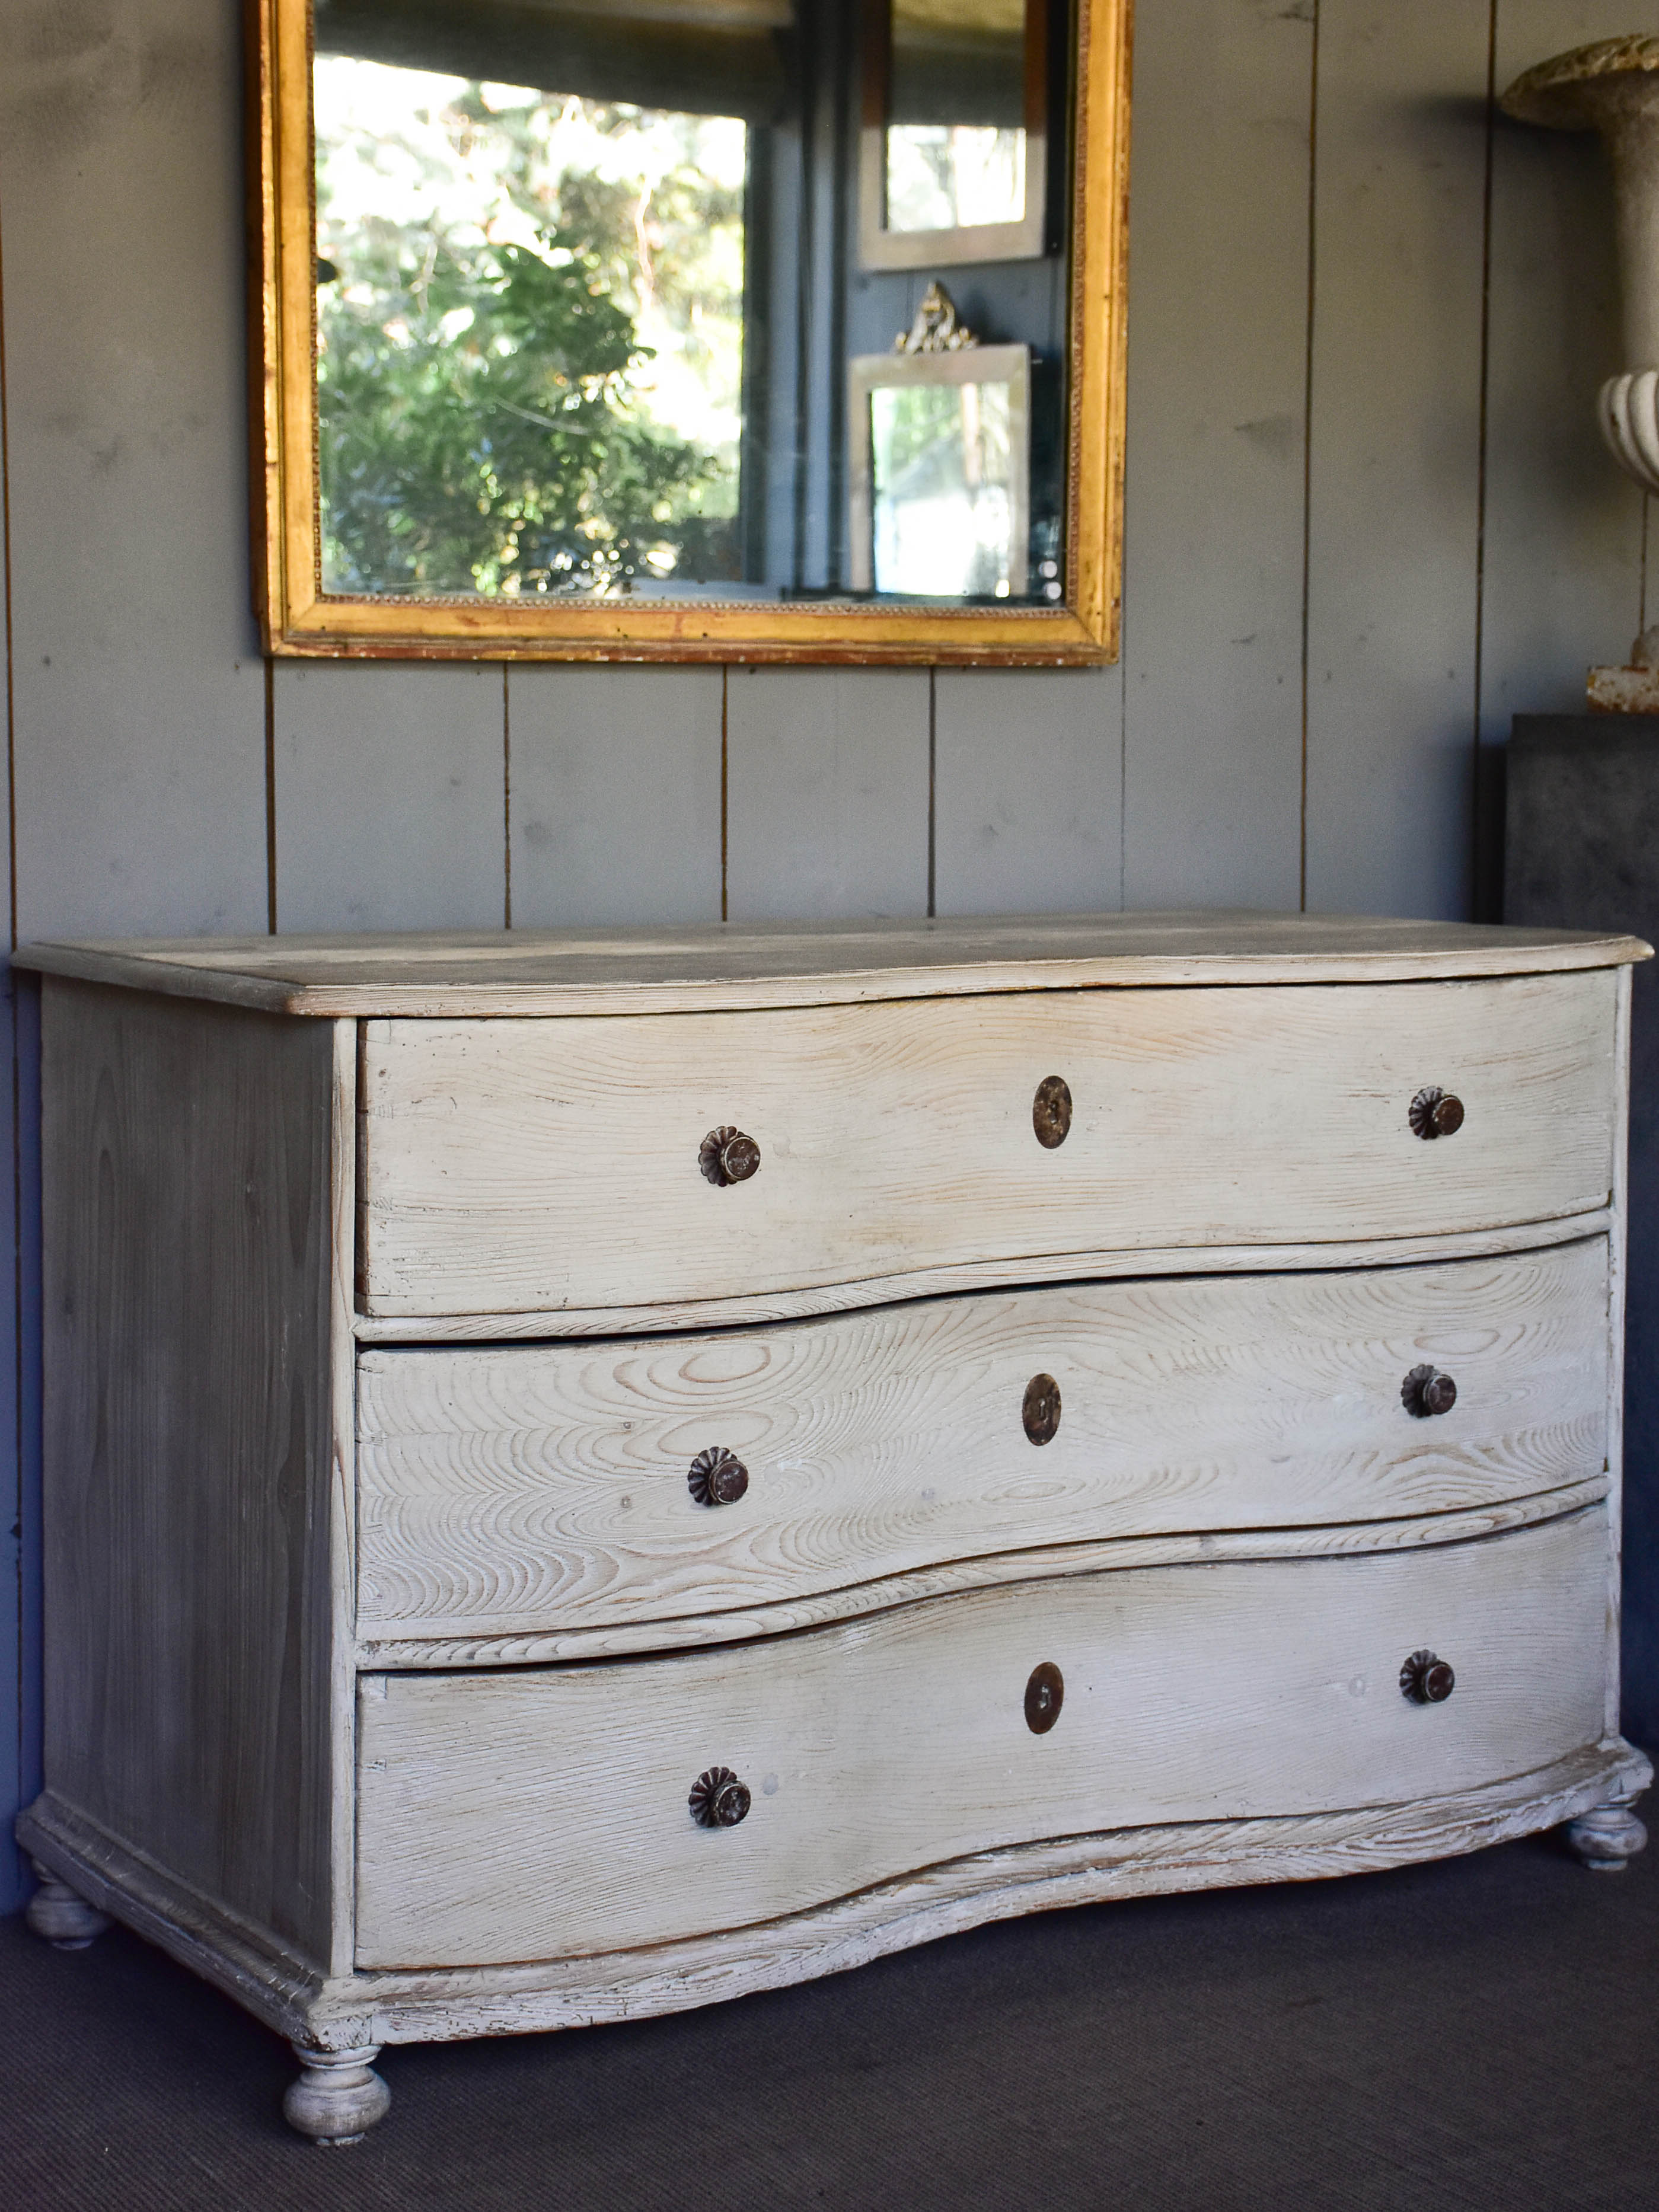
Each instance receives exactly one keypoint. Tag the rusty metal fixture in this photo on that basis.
(1045, 1694)
(1041, 1410)
(726, 1155)
(1435, 1113)
(1426, 1680)
(1051, 1112)
(1426, 1390)
(717, 1477)
(718, 1799)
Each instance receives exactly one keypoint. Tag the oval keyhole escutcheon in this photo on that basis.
(1040, 1410)
(1045, 1694)
(1051, 1112)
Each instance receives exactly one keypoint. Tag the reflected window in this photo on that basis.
(955, 114)
(530, 336)
(588, 289)
(940, 465)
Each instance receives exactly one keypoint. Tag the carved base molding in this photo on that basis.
(344, 2019)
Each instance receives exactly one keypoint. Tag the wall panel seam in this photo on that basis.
(1476, 825)
(1307, 444)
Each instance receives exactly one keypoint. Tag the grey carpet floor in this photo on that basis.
(1481, 2034)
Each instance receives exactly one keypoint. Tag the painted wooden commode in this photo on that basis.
(588, 1474)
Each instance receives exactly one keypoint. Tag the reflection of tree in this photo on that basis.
(481, 426)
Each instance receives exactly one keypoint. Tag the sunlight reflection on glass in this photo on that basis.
(944, 176)
(530, 337)
(942, 510)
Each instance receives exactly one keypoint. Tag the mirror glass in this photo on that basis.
(941, 470)
(598, 284)
(955, 114)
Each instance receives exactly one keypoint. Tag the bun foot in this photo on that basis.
(66, 1921)
(1606, 1838)
(339, 2096)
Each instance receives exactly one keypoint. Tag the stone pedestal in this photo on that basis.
(1582, 852)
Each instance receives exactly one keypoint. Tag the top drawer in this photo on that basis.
(523, 1166)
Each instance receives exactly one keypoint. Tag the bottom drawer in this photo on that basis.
(542, 1813)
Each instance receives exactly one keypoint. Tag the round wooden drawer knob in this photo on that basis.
(1039, 1412)
(1051, 1112)
(717, 1477)
(1426, 1679)
(1435, 1113)
(726, 1155)
(1045, 1694)
(718, 1799)
(1426, 1390)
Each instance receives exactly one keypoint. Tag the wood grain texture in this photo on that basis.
(1213, 536)
(543, 1814)
(389, 797)
(826, 792)
(509, 1490)
(1393, 516)
(674, 971)
(615, 797)
(136, 695)
(409, 2007)
(342, 1493)
(1028, 791)
(187, 1442)
(1562, 569)
(973, 1275)
(856, 1601)
(894, 1135)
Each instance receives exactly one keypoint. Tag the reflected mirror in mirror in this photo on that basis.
(954, 138)
(941, 467)
(573, 338)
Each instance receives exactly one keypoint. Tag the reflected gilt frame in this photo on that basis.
(882, 248)
(868, 372)
(298, 617)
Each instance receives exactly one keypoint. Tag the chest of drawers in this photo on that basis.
(589, 1474)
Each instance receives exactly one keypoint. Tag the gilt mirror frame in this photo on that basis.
(297, 617)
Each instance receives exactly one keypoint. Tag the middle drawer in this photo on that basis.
(533, 1488)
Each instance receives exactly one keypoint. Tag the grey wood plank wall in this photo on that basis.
(1368, 518)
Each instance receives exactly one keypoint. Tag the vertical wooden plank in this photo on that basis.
(13, 1779)
(1394, 514)
(13, 1881)
(1563, 526)
(1027, 789)
(1217, 373)
(827, 792)
(188, 1236)
(138, 684)
(615, 799)
(390, 804)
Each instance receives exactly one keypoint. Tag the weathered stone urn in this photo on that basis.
(1613, 87)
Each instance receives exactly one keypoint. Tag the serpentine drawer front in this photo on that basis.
(529, 1814)
(516, 1488)
(584, 1474)
(519, 1166)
